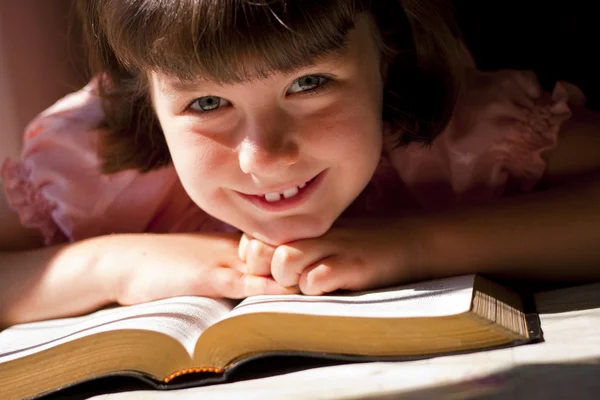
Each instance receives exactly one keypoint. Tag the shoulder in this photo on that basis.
(497, 142)
(58, 144)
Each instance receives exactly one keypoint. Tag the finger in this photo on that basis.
(333, 273)
(258, 258)
(236, 285)
(243, 245)
(291, 259)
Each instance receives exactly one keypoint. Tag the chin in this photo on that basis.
(277, 238)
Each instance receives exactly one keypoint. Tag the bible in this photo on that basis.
(195, 340)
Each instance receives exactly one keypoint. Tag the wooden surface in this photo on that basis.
(565, 365)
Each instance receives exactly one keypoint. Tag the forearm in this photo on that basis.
(53, 282)
(550, 235)
(124, 269)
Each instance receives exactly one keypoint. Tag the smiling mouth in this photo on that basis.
(288, 199)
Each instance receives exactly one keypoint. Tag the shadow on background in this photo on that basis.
(579, 380)
(557, 40)
(543, 381)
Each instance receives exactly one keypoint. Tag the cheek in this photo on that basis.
(201, 163)
(350, 126)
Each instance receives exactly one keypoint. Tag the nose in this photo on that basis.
(269, 144)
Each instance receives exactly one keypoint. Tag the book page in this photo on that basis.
(427, 299)
(183, 318)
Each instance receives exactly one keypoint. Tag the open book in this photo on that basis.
(207, 338)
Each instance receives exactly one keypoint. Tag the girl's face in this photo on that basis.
(279, 158)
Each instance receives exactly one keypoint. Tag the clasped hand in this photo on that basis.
(357, 256)
(352, 256)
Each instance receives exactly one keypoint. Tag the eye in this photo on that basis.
(208, 103)
(308, 83)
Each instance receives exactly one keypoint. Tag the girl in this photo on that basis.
(234, 148)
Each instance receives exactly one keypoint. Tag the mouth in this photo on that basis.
(285, 199)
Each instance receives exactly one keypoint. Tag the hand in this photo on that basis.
(256, 255)
(170, 265)
(353, 256)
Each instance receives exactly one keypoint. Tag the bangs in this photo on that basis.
(226, 41)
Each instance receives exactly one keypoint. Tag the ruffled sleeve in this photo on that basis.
(494, 145)
(58, 187)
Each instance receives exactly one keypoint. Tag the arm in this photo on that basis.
(23, 265)
(40, 283)
(72, 279)
(549, 235)
(552, 234)
(49, 282)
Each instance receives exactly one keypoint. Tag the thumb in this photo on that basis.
(237, 285)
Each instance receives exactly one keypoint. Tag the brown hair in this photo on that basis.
(218, 39)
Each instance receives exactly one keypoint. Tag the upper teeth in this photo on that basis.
(273, 197)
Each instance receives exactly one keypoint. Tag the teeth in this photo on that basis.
(290, 193)
(272, 197)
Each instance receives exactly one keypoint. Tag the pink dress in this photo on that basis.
(494, 146)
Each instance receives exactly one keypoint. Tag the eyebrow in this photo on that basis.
(174, 87)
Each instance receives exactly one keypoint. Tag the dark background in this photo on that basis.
(558, 41)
